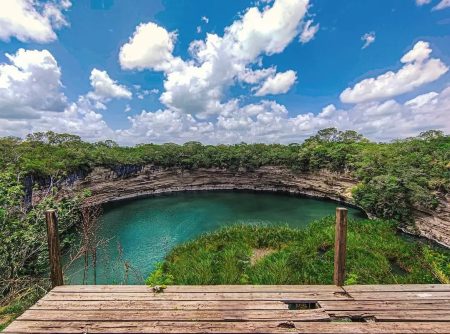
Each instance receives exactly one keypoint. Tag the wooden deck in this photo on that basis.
(240, 309)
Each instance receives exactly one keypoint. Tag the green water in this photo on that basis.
(141, 232)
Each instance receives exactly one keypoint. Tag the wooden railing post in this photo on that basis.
(340, 246)
(54, 252)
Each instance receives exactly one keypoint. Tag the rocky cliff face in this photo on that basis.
(109, 185)
(126, 182)
(435, 225)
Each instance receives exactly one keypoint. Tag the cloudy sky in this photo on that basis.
(224, 71)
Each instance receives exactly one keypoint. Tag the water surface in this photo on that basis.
(141, 232)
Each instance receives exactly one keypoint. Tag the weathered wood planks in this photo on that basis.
(240, 309)
(64, 327)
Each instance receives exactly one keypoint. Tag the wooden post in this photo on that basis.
(56, 275)
(340, 246)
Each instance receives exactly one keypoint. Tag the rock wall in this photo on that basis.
(126, 182)
(109, 185)
(435, 225)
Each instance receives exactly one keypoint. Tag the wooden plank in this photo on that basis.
(64, 327)
(158, 305)
(198, 288)
(396, 315)
(176, 315)
(357, 305)
(238, 309)
(311, 296)
(400, 295)
(397, 287)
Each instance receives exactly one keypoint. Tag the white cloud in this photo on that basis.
(199, 29)
(328, 111)
(31, 100)
(268, 121)
(104, 88)
(418, 69)
(442, 5)
(163, 126)
(368, 39)
(251, 76)
(29, 84)
(422, 100)
(29, 20)
(279, 83)
(197, 86)
(309, 31)
(205, 19)
(78, 118)
(422, 2)
(150, 47)
(420, 52)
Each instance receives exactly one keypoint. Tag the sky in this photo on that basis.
(272, 71)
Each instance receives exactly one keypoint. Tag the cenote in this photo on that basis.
(139, 233)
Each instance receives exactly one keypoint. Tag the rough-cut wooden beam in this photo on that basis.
(340, 246)
(54, 252)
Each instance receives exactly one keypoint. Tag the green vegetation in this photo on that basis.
(394, 178)
(410, 173)
(376, 255)
(23, 249)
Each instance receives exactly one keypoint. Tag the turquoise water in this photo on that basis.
(141, 232)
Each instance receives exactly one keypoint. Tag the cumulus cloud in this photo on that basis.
(368, 39)
(422, 100)
(104, 88)
(31, 99)
(194, 95)
(418, 69)
(309, 31)
(442, 5)
(328, 111)
(268, 121)
(78, 118)
(150, 47)
(164, 126)
(264, 121)
(197, 86)
(279, 83)
(30, 83)
(251, 76)
(29, 20)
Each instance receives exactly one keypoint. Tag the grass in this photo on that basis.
(376, 254)
(19, 305)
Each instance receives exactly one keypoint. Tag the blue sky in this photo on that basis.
(261, 71)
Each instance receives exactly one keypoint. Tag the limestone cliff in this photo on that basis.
(126, 182)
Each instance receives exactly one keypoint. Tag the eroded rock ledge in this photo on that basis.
(126, 182)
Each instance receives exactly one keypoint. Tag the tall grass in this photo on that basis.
(376, 254)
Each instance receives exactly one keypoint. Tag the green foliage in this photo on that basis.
(414, 171)
(23, 250)
(439, 263)
(21, 303)
(394, 179)
(376, 255)
(158, 277)
(385, 196)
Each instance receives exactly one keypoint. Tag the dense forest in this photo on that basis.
(394, 178)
